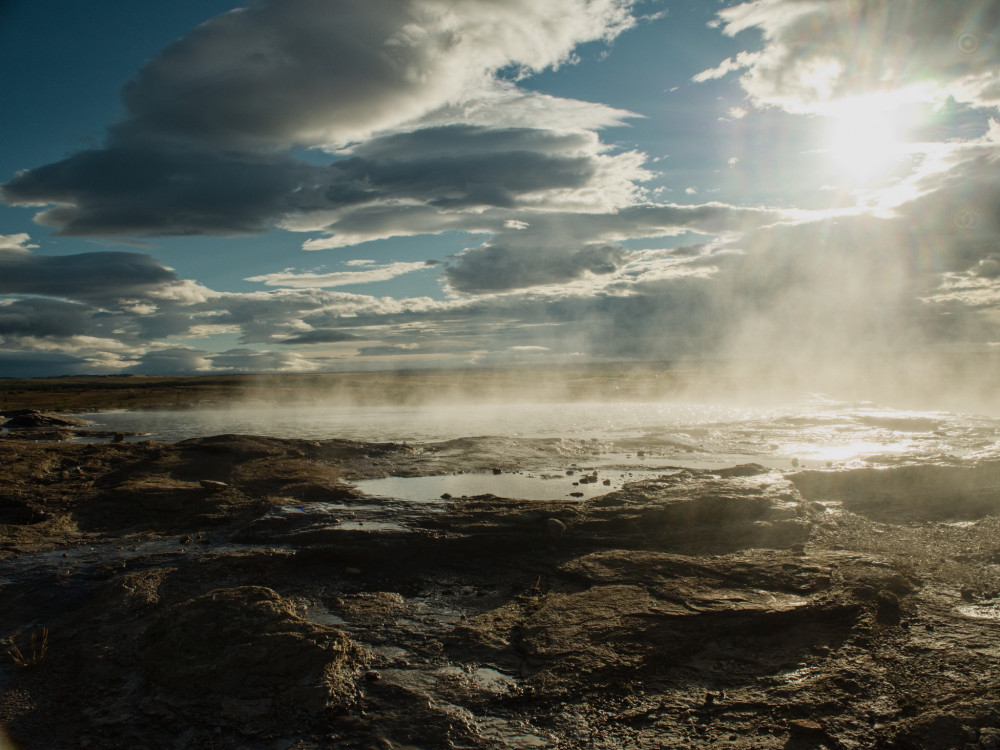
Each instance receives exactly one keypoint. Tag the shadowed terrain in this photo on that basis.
(238, 592)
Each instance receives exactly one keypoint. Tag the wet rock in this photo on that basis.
(624, 634)
(248, 645)
(909, 493)
(213, 486)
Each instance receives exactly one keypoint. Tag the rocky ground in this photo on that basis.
(237, 592)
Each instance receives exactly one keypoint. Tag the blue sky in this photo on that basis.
(310, 185)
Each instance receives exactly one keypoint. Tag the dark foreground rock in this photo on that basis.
(236, 592)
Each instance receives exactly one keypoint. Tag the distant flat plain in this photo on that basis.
(961, 382)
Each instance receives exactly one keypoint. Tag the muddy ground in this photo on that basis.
(237, 592)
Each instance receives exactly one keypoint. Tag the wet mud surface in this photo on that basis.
(239, 592)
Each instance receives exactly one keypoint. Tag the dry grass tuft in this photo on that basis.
(34, 652)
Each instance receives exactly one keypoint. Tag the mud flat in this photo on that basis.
(239, 592)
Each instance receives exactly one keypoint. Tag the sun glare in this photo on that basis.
(863, 140)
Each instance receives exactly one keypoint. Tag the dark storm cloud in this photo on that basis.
(86, 276)
(43, 318)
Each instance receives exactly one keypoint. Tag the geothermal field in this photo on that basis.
(601, 565)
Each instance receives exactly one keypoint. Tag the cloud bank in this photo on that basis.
(401, 93)
(357, 121)
(815, 53)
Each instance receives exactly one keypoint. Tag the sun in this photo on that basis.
(864, 139)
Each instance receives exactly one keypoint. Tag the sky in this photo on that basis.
(209, 186)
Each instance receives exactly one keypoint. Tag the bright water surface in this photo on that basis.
(622, 441)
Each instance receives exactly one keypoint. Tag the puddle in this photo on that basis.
(323, 616)
(373, 517)
(584, 483)
(986, 611)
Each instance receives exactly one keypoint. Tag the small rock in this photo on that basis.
(214, 486)
(806, 728)
(554, 529)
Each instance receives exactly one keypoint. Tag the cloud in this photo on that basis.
(408, 183)
(320, 336)
(42, 318)
(562, 247)
(175, 360)
(497, 267)
(339, 278)
(251, 360)
(85, 276)
(412, 84)
(318, 73)
(164, 190)
(815, 53)
(16, 243)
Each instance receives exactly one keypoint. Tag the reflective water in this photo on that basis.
(811, 432)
